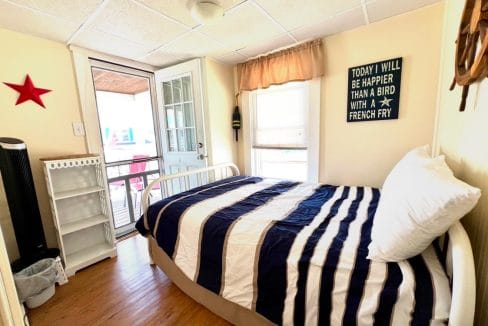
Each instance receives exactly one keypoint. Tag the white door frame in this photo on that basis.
(83, 61)
(96, 140)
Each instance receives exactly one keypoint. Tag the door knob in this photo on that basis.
(200, 145)
(201, 156)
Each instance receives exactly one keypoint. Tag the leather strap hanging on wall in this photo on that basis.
(471, 61)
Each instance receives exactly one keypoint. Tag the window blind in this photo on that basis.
(280, 119)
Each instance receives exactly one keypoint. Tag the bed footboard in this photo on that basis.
(184, 181)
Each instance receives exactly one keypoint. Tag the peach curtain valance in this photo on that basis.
(302, 62)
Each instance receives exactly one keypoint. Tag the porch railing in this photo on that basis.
(127, 209)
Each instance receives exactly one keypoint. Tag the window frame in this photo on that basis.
(249, 102)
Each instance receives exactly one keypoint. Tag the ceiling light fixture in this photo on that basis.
(206, 12)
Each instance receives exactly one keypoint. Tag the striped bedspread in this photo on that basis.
(296, 253)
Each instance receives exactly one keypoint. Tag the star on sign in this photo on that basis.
(386, 101)
(28, 91)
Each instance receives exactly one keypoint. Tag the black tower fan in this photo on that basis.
(22, 203)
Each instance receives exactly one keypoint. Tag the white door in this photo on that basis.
(128, 136)
(180, 102)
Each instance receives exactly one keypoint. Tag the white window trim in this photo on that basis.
(314, 131)
(248, 100)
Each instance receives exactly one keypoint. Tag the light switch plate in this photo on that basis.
(78, 129)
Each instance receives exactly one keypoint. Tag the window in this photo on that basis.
(178, 103)
(284, 131)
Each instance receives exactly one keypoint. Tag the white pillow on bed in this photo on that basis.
(419, 201)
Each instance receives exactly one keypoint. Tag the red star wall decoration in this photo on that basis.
(28, 92)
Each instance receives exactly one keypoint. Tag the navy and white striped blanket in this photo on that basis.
(296, 253)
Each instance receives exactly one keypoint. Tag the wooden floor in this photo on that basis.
(124, 290)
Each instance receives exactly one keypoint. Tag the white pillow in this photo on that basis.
(419, 201)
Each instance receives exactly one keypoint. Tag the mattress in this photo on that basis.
(295, 253)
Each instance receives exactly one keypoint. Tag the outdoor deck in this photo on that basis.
(120, 207)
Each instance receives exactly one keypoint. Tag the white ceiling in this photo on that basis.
(162, 32)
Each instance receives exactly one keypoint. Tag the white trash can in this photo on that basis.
(35, 284)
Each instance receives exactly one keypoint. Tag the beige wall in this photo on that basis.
(463, 138)
(47, 131)
(219, 82)
(364, 152)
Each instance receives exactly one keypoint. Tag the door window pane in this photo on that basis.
(181, 139)
(189, 121)
(190, 140)
(177, 96)
(168, 99)
(179, 116)
(172, 140)
(170, 117)
(186, 81)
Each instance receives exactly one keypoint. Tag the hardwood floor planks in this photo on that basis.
(124, 290)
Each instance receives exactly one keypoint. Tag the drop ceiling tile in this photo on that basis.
(180, 10)
(293, 14)
(232, 58)
(75, 11)
(111, 44)
(34, 23)
(244, 26)
(381, 9)
(268, 46)
(134, 22)
(345, 21)
(195, 44)
(162, 59)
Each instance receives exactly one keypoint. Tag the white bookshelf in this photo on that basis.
(78, 225)
(76, 192)
(81, 209)
(87, 256)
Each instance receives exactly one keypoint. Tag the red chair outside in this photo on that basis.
(137, 183)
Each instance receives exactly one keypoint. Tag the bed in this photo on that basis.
(264, 251)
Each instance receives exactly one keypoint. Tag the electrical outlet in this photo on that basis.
(78, 129)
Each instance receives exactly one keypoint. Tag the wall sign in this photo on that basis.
(373, 91)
